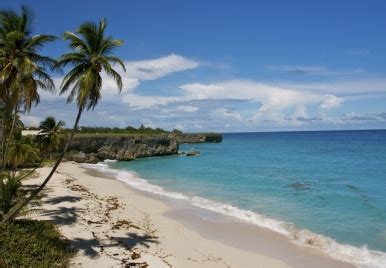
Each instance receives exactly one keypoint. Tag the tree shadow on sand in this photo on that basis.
(133, 240)
(62, 215)
(86, 245)
(66, 198)
(93, 246)
(89, 246)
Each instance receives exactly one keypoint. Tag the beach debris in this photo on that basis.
(78, 188)
(124, 224)
(113, 203)
(114, 242)
(96, 222)
(135, 255)
(148, 226)
(137, 265)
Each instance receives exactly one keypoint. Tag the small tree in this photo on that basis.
(9, 192)
(20, 150)
(49, 135)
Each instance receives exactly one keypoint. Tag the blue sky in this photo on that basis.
(231, 65)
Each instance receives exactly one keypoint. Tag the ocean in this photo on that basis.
(323, 189)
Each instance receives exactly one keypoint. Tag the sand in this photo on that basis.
(112, 225)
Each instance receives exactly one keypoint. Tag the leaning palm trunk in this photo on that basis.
(15, 210)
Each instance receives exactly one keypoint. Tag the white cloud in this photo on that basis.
(313, 70)
(271, 97)
(140, 102)
(137, 71)
(344, 87)
(202, 91)
(300, 111)
(157, 68)
(330, 102)
(187, 108)
(275, 101)
(223, 112)
(110, 88)
(30, 120)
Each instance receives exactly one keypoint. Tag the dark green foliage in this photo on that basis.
(23, 69)
(21, 151)
(91, 54)
(28, 243)
(49, 135)
(128, 130)
(9, 192)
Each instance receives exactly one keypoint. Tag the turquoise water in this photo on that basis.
(331, 183)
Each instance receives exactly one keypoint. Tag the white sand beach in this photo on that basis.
(110, 224)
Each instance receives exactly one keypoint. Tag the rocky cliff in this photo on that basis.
(92, 148)
(95, 148)
(196, 137)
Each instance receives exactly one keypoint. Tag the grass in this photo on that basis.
(29, 243)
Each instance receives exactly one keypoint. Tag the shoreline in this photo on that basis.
(167, 234)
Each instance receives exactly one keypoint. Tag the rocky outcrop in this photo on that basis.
(92, 148)
(192, 153)
(95, 148)
(196, 137)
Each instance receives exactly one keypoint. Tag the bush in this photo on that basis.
(10, 191)
(28, 243)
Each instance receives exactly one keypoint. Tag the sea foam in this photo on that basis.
(359, 256)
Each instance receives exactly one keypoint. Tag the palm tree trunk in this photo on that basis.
(4, 138)
(6, 144)
(14, 210)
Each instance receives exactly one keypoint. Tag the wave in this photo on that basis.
(359, 256)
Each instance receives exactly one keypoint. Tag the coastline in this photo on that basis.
(107, 221)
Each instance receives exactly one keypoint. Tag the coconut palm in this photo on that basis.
(22, 69)
(20, 150)
(49, 134)
(92, 54)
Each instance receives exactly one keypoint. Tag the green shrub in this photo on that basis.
(10, 191)
(29, 243)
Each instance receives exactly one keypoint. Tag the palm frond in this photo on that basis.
(116, 60)
(91, 55)
(76, 42)
(38, 41)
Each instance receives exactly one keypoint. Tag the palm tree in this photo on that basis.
(22, 69)
(49, 134)
(92, 54)
(20, 150)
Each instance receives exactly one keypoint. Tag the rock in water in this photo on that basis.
(192, 153)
